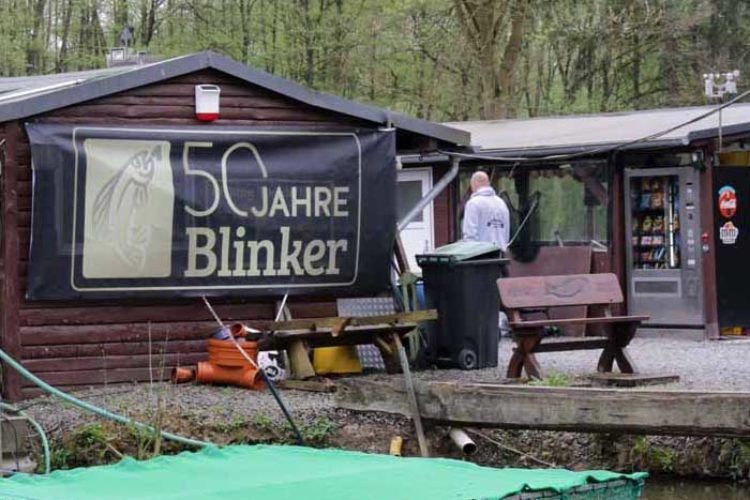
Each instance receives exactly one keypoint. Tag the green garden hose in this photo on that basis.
(39, 430)
(6, 358)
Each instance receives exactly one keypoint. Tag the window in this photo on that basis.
(408, 194)
(573, 199)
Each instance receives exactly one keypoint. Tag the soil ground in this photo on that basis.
(225, 415)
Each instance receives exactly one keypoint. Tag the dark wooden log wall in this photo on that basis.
(81, 344)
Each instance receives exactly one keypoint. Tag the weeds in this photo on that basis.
(554, 380)
(664, 459)
(262, 422)
(318, 431)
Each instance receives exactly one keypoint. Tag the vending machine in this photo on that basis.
(662, 224)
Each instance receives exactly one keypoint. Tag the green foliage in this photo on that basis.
(318, 431)
(640, 446)
(435, 59)
(92, 435)
(663, 459)
(236, 424)
(739, 468)
(554, 380)
(262, 422)
(315, 433)
(60, 458)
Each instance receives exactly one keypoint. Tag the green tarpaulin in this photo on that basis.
(286, 472)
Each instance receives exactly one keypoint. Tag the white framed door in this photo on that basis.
(417, 237)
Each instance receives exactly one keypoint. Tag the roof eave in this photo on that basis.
(172, 68)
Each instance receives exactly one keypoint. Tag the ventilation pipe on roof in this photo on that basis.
(432, 194)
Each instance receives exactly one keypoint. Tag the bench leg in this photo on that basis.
(616, 351)
(523, 357)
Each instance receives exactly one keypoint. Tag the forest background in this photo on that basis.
(435, 59)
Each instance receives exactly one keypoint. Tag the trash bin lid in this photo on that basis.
(458, 251)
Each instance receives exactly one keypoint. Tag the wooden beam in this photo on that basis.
(10, 296)
(324, 337)
(708, 262)
(563, 409)
(312, 324)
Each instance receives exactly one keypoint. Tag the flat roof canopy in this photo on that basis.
(578, 132)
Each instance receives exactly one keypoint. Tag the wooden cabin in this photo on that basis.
(114, 336)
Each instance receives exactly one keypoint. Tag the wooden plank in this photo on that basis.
(561, 290)
(188, 112)
(261, 313)
(536, 323)
(708, 264)
(96, 334)
(42, 366)
(189, 100)
(402, 261)
(631, 379)
(556, 260)
(98, 377)
(571, 344)
(10, 296)
(331, 322)
(120, 120)
(111, 349)
(323, 337)
(185, 90)
(325, 385)
(563, 409)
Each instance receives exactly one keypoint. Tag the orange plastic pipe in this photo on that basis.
(181, 375)
(227, 366)
(210, 373)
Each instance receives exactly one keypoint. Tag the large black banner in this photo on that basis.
(151, 211)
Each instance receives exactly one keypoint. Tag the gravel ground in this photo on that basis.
(701, 365)
(231, 415)
(709, 366)
(195, 402)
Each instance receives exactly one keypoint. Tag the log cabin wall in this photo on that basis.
(80, 344)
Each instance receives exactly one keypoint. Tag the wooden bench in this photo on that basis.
(527, 302)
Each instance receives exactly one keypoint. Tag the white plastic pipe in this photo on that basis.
(462, 441)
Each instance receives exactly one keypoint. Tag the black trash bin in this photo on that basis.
(460, 281)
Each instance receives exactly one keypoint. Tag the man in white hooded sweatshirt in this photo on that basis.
(486, 216)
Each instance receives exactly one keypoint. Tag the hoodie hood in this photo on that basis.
(484, 191)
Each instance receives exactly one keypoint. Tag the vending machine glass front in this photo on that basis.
(655, 222)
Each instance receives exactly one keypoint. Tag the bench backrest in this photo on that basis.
(557, 291)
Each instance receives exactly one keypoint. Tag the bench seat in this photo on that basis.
(536, 295)
(575, 321)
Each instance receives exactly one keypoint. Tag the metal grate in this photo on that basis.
(369, 355)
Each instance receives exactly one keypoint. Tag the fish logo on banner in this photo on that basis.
(129, 204)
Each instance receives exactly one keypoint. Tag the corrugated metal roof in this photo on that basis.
(22, 97)
(577, 132)
(9, 86)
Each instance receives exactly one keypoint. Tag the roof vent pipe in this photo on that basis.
(432, 194)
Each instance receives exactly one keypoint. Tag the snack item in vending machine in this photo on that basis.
(658, 225)
(645, 201)
(657, 199)
(647, 224)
